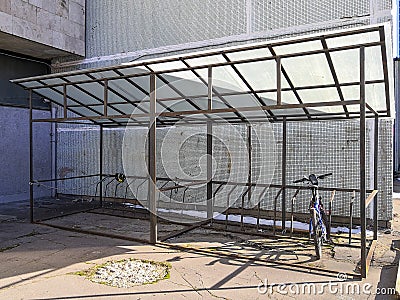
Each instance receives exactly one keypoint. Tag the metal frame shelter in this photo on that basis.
(336, 75)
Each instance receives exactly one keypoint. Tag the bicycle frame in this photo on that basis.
(316, 204)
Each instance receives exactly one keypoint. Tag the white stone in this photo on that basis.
(62, 8)
(47, 20)
(50, 5)
(23, 10)
(5, 6)
(76, 13)
(58, 40)
(37, 3)
(5, 22)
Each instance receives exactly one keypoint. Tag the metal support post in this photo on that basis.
(101, 166)
(376, 151)
(31, 202)
(152, 161)
(362, 165)
(209, 151)
(284, 141)
(249, 177)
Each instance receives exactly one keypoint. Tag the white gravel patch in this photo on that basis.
(128, 273)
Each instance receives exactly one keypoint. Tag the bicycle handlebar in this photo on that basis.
(301, 180)
(324, 175)
(305, 179)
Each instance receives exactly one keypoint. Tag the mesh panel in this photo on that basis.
(271, 15)
(312, 147)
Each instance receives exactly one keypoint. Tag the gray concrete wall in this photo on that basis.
(14, 149)
(56, 23)
(125, 30)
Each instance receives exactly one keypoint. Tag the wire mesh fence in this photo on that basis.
(311, 147)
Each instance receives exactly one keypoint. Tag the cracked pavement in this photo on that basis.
(38, 262)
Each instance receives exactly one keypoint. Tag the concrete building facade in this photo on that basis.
(31, 34)
(43, 28)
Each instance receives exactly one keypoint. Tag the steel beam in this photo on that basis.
(209, 150)
(152, 161)
(376, 165)
(362, 166)
(333, 73)
(283, 168)
(31, 202)
(290, 55)
(101, 145)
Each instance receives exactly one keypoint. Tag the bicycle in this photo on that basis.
(318, 220)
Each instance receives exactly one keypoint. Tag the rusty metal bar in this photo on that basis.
(292, 211)
(376, 165)
(334, 75)
(290, 55)
(215, 111)
(228, 205)
(31, 195)
(275, 208)
(101, 145)
(209, 147)
(105, 98)
(214, 91)
(330, 208)
(363, 165)
(259, 206)
(289, 81)
(249, 151)
(237, 93)
(278, 81)
(351, 215)
(247, 84)
(385, 69)
(64, 101)
(152, 162)
(371, 197)
(242, 210)
(283, 168)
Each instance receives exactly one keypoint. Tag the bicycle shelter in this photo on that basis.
(328, 76)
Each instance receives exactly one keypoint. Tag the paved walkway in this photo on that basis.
(38, 262)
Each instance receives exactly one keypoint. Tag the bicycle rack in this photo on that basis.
(212, 201)
(353, 197)
(275, 208)
(127, 186)
(105, 190)
(163, 186)
(241, 215)
(227, 205)
(115, 191)
(259, 206)
(330, 208)
(292, 211)
(97, 186)
(184, 194)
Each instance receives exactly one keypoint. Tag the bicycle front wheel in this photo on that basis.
(317, 234)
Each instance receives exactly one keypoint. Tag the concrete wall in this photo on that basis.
(14, 149)
(56, 23)
(125, 30)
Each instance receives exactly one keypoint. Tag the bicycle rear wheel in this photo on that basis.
(317, 234)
